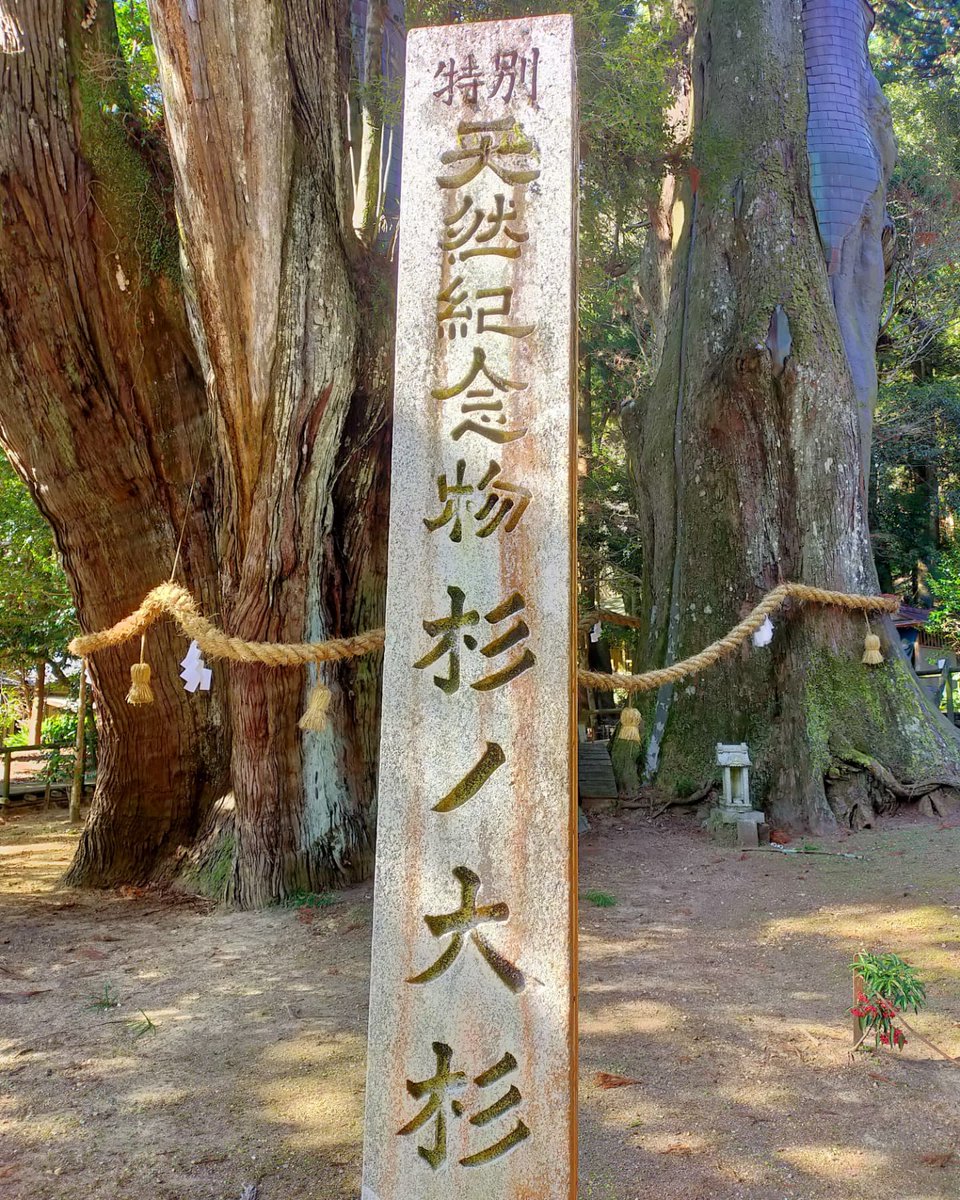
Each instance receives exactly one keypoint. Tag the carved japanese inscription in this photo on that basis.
(471, 1064)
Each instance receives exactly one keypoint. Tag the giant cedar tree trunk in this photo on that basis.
(122, 376)
(748, 450)
(103, 410)
(255, 105)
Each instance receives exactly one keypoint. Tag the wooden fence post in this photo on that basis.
(79, 762)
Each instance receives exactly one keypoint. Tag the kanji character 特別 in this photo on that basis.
(487, 144)
(504, 500)
(448, 630)
(442, 1087)
(512, 66)
(482, 228)
(517, 632)
(467, 79)
(453, 309)
(464, 921)
(438, 1087)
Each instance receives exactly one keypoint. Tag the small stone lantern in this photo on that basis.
(735, 807)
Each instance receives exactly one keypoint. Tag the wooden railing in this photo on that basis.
(939, 683)
(8, 753)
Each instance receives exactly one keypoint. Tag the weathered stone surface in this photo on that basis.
(471, 1066)
(748, 834)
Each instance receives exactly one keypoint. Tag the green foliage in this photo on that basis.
(105, 999)
(600, 899)
(139, 1029)
(922, 326)
(945, 586)
(915, 477)
(60, 731)
(888, 986)
(921, 37)
(139, 57)
(302, 899)
(36, 611)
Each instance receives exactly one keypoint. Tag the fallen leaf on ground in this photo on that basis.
(605, 1080)
(938, 1160)
(13, 972)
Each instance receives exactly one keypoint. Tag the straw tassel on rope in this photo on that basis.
(630, 721)
(140, 690)
(871, 649)
(315, 714)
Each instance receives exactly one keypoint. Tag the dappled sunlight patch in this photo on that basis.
(595, 949)
(633, 1112)
(927, 932)
(638, 1016)
(683, 1145)
(757, 1094)
(145, 1097)
(838, 1164)
(774, 1027)
(28, 1127)
(315, 1089)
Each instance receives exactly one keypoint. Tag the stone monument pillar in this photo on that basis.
(472, 1054)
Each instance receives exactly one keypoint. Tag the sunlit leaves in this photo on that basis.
(36, 611)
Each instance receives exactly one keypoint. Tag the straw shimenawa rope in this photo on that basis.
(724, 646)
(172, 600)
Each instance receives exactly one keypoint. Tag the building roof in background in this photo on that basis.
(911, 618)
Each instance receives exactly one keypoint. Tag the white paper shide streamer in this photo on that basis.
(195, 674)
(764, 635)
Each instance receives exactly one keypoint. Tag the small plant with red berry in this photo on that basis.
(884, 987)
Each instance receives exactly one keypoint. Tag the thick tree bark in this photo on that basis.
(748, 450)
(253, 417)
(258, 145)
(103, 408)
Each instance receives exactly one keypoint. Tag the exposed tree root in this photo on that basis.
(701, 793)
(859, 787)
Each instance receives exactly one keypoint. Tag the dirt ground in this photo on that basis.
(718, 981)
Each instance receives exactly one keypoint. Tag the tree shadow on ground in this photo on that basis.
(719, 982)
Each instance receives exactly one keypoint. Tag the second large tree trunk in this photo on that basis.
(262, 177)
(748, 453)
